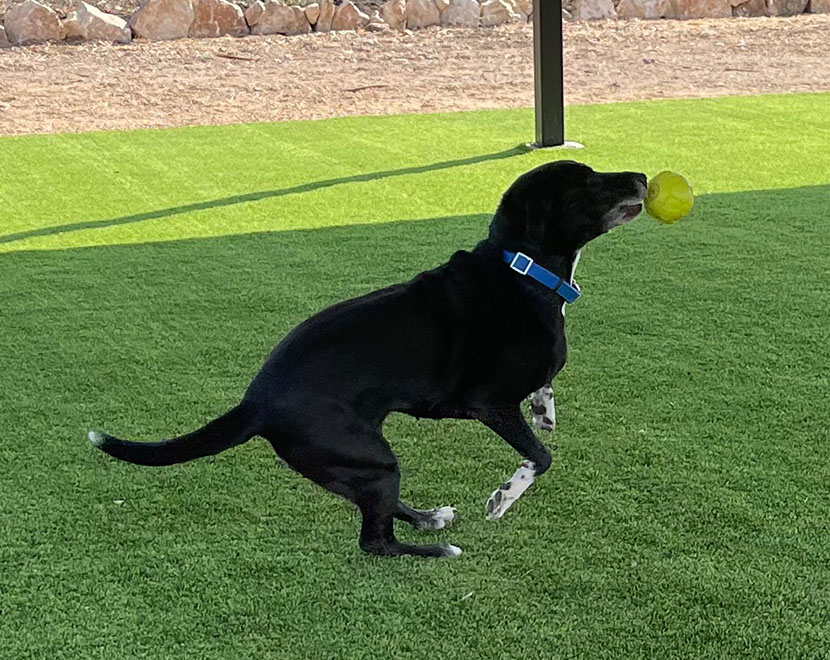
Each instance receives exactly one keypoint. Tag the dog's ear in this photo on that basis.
(525, 216)
(537, 212)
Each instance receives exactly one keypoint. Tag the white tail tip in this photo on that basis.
(96, 438)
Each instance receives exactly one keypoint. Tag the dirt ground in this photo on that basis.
(83, 87)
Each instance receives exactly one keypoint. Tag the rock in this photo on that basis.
(589, 10)
(523, 8)
(31, 22)
(394, 14)
(786, 7)
(254, 12)
(421, 13)
(326, 16)
(4, 40)
(312, 12)
(819, 7)
(496, 12)
(645, 8)
(160, 20)
(749, 8)
(277, 18)
(346, 17)
(701, 9)
(460, 12)
(215, 18)
(91, 24)
(376, 23)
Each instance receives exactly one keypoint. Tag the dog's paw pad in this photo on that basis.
(544, 423)
(495, 505)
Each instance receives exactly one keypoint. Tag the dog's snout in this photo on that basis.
(630, 185)
(641, 184)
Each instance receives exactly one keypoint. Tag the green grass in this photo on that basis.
(145, 276)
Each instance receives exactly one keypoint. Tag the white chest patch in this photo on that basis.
(573, 272)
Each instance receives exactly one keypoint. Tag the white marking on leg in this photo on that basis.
(510, 491)
(543, 408)
(453, 551)
(96, 438)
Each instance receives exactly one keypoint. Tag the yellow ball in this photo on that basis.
(669, 197)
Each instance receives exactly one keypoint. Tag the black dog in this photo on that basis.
(470, 339)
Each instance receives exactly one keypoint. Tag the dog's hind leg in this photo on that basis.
(347, 456)
(509, 424)
(377, 498)
(425, 519)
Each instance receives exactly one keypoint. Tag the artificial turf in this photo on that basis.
(144, 276)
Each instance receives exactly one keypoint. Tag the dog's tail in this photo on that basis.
(231, 429)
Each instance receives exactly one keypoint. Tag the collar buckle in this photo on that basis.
(521, 258)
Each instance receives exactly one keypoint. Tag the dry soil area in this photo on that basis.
(82, 87)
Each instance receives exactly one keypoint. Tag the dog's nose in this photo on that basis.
(641, 183)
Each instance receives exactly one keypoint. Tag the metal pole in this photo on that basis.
(547, 65)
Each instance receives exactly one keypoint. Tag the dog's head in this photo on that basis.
(558, 207)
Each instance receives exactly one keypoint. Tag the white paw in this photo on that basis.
(439, 518)
(443, 517)
(452, 551)
(510, 491)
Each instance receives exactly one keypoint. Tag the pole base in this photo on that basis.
(567, 145)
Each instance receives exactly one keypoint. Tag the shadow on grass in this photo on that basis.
(181, 305)
(257, 196)
(314, 267)
(302, 265)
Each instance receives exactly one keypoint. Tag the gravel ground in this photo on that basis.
(66, 87)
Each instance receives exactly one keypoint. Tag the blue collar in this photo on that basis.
(524, 265)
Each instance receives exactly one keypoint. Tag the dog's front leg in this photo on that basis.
(513, 429)
(543, 408)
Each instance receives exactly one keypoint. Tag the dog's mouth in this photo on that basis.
(623, 212)
(631, 211)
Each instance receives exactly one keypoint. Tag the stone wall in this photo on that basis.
(31, 22)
